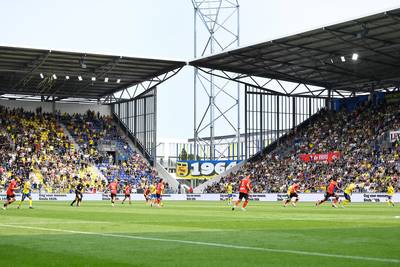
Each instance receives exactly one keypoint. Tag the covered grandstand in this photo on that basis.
(100, 110)
(289, 81)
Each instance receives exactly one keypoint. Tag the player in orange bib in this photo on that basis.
(128, 190)
(113, 186)
(159, 192)
(146, 193)
(244, 190)
(292, 194)
(330, 192)
(10, 193)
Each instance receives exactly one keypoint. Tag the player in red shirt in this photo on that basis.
(330, 192)
(113, 186)
(293, 193)
(146, 192)
(10, 193)
(128, 190)
(244, 190)
(159, 192)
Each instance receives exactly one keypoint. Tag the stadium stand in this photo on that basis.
(35, 145)
(352, 143)
(91, 130)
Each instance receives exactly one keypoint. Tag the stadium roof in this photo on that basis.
(323, 57)
(50, 73)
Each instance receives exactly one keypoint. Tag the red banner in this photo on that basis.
(329, 157)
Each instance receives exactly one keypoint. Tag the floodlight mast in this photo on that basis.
(217, 31)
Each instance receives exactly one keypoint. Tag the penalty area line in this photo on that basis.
(209, 244)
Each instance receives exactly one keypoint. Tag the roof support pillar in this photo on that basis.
(329, 99)
(53, 105)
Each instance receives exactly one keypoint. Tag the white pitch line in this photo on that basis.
(61, 222)
(210, 244)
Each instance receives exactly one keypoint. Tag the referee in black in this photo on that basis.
(78, 193)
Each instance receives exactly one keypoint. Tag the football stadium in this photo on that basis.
(279, 152)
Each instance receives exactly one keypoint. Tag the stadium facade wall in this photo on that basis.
(309, 197)
(352, 103)
(47, 107)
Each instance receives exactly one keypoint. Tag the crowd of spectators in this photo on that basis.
(360, 137)
(135, 168)
(91, 130)
(34, 145)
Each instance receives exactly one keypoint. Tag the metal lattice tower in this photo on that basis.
(216, 28)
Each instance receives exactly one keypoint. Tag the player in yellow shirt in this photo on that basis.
(347, 193)
(26, 193)
(153, 196)
(390, 194)
(229, 191)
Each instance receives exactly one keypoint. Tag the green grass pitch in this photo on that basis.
(199, 234)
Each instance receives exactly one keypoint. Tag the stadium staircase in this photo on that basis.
(68, 134)
(93, 169)
(173, 183)
(268, 149)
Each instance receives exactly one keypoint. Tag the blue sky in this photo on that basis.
(161, 29)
